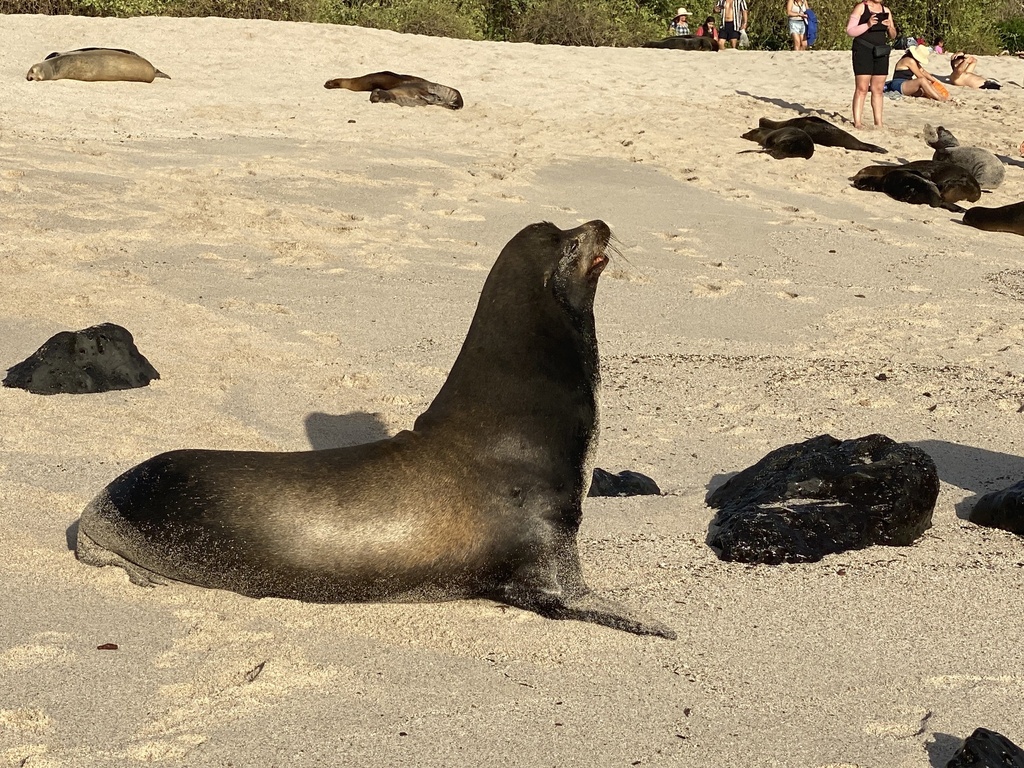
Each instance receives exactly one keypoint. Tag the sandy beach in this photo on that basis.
(301, 266)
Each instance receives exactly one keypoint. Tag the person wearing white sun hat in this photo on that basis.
(910, 78)
(681, 23)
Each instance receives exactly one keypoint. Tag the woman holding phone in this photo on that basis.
(871, 28)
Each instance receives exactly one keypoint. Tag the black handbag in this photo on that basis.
(880, 51)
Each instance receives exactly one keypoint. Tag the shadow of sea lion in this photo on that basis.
(325, 431)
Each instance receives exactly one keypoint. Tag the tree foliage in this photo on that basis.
(978, 26)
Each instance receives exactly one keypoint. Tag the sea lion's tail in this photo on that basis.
(164, 75)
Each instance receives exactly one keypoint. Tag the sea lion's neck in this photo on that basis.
(528, 367)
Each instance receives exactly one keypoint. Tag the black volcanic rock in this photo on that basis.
(626, 483)
(1001, 509)
(987, 749)
(811, 499)
(96, 359)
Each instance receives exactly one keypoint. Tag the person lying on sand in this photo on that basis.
(911, 78)
(964, 74)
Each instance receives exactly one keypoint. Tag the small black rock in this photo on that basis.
(1001, 509)
(626, 483)
(804, 501)
(97, 359)
(987, 749)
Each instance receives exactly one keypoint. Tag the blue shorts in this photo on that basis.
(798, 27)
(896, 85)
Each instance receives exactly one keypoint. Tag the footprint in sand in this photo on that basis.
(716, 290)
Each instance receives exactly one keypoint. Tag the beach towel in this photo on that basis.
(812, 26)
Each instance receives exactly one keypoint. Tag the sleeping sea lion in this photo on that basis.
(781, 143)
(95, 65)
(482, 498)
(404, 90)
(683, 43)
(1006, 218)
(823, 133)
(952, 182)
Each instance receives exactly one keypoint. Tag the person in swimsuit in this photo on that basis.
(911, 78)
(871, 28)
(734, 19)
(796, 11)
(964, 74)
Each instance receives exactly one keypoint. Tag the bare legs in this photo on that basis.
(799, 42)
(865, 83)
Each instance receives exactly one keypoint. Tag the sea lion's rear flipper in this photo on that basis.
(162, 74)
(597, 610)
(953, 207)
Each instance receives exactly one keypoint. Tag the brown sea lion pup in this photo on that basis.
(404, 90)
(953, 182)
(822, 133)
(903, 185)
(781, 143)
(482, 498)
(95, 65)
(684, 43)
(1006, 218)
(982, 164)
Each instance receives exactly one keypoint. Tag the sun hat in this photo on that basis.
(682, 12)
(920, 52)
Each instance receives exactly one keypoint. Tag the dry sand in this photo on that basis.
(301, 267)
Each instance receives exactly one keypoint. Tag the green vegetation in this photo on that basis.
(978, 26)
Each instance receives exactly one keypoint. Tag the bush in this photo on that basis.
(441, 18)
(1011, 35)
(587, 22)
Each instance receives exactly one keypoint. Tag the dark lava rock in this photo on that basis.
(987, 749)
(96, 359)
(804, 501)
(1001, 509)
(626, 483)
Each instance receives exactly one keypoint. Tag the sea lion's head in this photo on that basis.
(36, 73)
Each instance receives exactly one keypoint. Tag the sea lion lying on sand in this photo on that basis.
(982, 164)
(684, 43)
(781, 143)
(822, 133)
(922, 182)
(1007, 218)
(404, 90)
(95, 65)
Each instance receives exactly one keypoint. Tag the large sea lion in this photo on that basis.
(95, 65)
(684, 43)
(1006, 218)
(903, 185)
(982, 164)
(482, 498)
(951, 182)
(822, 133)
(404, 90)
(782, 142)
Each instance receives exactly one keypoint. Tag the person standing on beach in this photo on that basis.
(796, 12)
(871, 27)
(734, 19)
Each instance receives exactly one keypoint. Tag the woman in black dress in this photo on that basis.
(871, 28)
